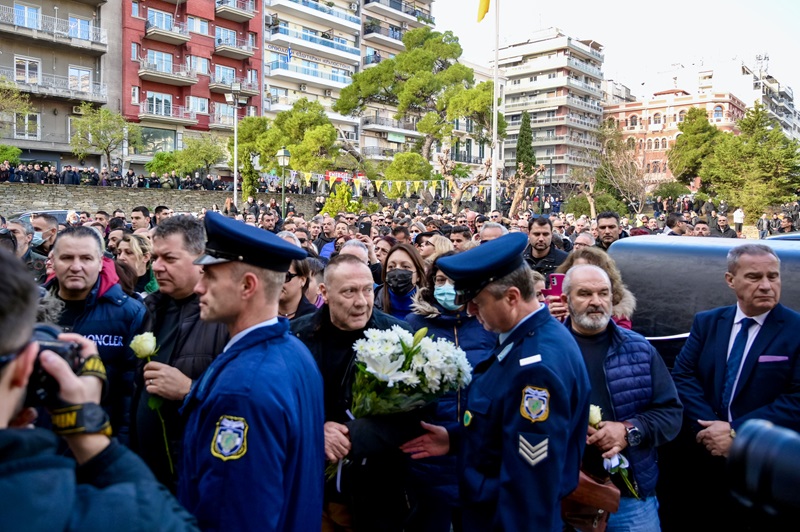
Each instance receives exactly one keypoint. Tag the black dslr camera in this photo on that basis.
(42, 387)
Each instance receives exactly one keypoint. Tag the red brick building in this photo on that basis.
(179, 59)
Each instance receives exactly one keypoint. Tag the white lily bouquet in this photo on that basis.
(398, 372)
(617, 464)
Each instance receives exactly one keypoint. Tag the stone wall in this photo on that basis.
(16, 197)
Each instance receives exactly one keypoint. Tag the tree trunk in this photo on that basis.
(426, 147)
(519, 193)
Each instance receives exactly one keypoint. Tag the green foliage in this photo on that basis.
(670, 188)
(249, 178)
(526, 158)
(407, 167)
(306, 132)
(200, 152)
(476, 104)
(162, 162)
(342, 201)
(756, 169)
(10, 154)
(250, 128)
(605, 201)
(12, 102)
(102, 130)
(693, 146)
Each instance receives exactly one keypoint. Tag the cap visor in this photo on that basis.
(208, 260)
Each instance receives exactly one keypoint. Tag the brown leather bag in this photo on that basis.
(588, 508)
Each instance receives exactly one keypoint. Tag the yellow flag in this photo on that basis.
(483, 8)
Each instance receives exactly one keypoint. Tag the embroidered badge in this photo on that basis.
(230, 438)
(467, 418)
(535, 404)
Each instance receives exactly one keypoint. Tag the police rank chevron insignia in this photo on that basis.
(230, 438)
(535, 404)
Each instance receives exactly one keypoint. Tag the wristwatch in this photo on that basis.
(634, 435)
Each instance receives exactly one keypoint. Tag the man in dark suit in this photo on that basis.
(739, 363)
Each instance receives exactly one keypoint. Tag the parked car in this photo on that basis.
(61, 215)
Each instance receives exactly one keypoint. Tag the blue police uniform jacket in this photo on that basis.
(253, 447)
(524, 431)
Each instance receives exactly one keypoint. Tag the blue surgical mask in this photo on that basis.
(37, 239)
(446, 296)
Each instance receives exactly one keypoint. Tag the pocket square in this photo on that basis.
(772, 358)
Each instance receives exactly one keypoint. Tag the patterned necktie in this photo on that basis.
(735, 360)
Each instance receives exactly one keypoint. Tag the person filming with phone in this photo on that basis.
(104, 485)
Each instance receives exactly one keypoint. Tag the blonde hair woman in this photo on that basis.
(435, 246)
(135, 251)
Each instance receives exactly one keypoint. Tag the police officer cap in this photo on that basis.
(229, 240)
(472, 270)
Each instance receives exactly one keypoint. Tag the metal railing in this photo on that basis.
(241, 44)
(388, 122)
(59, 27)
(59, 84)
(330, 43)
(377, 151)
(242, 5)
(283, 65)
(325, 9)
(464, 158)
(166, 110)
(220, 119)
(403, 7)
(177, 27)
(586, 67)
(372, 59)
(386, 32)
(167, 68)
(245, 83)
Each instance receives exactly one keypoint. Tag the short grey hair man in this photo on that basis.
(492, 230)
(356, 248)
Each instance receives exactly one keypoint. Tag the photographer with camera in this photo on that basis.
(110, 488)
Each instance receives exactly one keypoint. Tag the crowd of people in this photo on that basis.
(231, 422)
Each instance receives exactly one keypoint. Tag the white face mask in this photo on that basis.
(37, 239)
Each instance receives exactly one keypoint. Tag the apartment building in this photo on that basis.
(52, 50)
(179, 59)
(653, 123)
(557, 80)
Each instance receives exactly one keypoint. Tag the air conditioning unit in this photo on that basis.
(404, 25)
(76, 110)
(328, 92)
(354, 6)
(303, 87)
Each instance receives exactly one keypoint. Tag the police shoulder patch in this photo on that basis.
(230, 438)
(535, 404)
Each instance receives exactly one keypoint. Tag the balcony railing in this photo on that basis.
(166, 110)
(247, 85)
(58, 27)
(177, 27)
(404, 7)
(168, 68)
(386, 32)
(240, 44)
(586, 67)
(282, 65)
(327, 10)
(464, 158)
(60, 85)
(221, 120)
(388, 122)
(372, 59)
(242, 5)
(377, 151)
(330, 43)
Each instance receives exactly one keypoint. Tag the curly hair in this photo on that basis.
(602, 260)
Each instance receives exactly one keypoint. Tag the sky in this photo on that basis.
(641, 39)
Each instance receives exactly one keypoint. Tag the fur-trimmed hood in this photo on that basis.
(627, 306)
(423, 308)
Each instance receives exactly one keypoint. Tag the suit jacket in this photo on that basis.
(769, 384)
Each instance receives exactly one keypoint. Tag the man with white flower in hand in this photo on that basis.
(633, 389)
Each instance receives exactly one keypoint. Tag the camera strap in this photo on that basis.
(88, 418)
(93, 366)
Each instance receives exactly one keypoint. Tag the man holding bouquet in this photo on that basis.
(523, 433)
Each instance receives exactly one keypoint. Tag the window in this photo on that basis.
(197, 104)
(647, 168)
(134, 51)
(225, 36)
(135, 95)
(649, 144)
(252, 110)
(468, 147)
(550, 133)
(252, 40)
(681, 116)
(252, 76)
(201, 65)
(197, 25)
(224, 74)
(630, 143)
(159, 104)
(656, 167)
(482, 150)
(26, 126)
(135, 8)
(80, 79)
(657, 144)
(664, 143)
(162, 61)
(26, 70)
(657, 118)
(223, 109)
(156, 140)
(515, 82)
(718, 111)
(160, 19)
(634, 121)
(551, 75)
(80, 28)
(27, 16)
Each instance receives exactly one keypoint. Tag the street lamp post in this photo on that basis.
(550, 179)
(234, 98)
(283, 156)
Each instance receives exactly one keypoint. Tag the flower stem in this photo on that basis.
(166, 441)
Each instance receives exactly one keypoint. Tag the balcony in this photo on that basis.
(62, 87)
(233, 48)
(537, 105)
(582, 123)
(388, 125)
(319, 13)
(463, 126)
(235, 10)
(370, 60)
(93, 3)
(220, 121)
(582, 104)
(540, 84)
(387, 36)
(284, 71)
(585, 87)
(177, 75)
(166, 113)
(378, 153)
(52, 31)
(177, 34)
(223, 86)
(540, 122)
(585, 67)
(415, 16)
(321, 46)
(465, 158)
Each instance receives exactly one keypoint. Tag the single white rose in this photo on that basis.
(144, 345)
(595, 415)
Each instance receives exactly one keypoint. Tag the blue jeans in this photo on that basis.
(635, 516)
(762, 235)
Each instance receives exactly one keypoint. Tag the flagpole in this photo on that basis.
(495, 97)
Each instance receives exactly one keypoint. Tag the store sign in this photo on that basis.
(396, 137)
(303, 55)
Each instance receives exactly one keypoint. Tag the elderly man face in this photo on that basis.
(348, 291)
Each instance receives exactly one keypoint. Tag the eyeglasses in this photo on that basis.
(290, 276)
(302, 240)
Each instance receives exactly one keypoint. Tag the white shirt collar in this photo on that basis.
(242, 334)
(740, 315)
